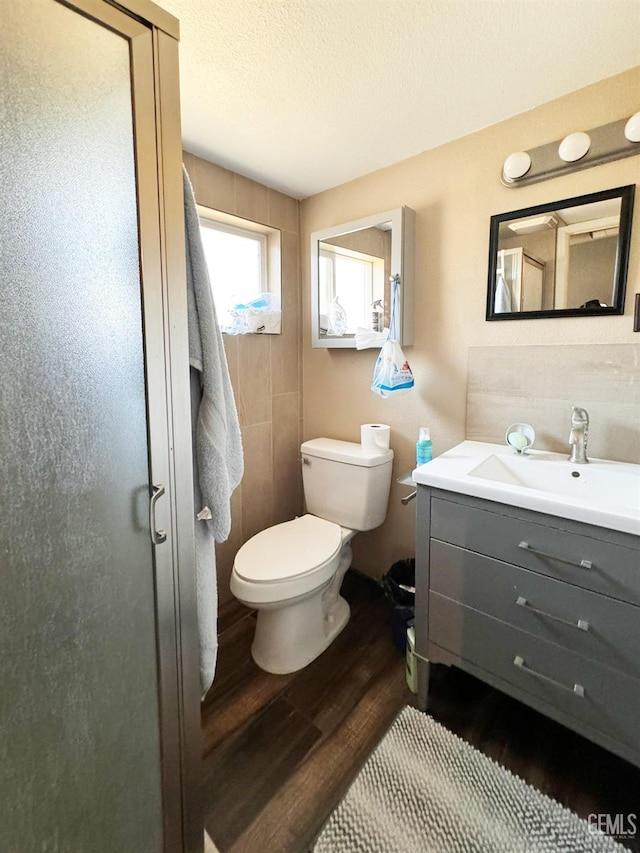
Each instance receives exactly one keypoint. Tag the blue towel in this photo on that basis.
(218, 460)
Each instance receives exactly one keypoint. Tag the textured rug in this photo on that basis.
(424, 789)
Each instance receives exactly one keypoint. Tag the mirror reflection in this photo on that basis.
(351, 268)
(565, 258)
(353, 281)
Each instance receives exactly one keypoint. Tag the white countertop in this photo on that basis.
(602, 492)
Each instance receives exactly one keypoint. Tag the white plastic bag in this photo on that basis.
(337, 319)
(392, 375)
(261, 315)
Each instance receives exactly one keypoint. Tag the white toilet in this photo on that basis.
(291, 573)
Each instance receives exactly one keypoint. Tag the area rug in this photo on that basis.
(425, 790)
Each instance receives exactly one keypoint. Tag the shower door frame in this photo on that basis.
(153, 37)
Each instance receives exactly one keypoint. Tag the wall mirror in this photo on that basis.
(351, 265)
(567, 258)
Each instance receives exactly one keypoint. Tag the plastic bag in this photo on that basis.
(392, 375)
(260, 315)
(337, 319)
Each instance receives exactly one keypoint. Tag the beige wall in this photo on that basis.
(265, 370)
(454, 190)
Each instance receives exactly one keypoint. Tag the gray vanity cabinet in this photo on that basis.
(543, 608)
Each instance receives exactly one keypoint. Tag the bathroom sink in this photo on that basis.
(602, 492)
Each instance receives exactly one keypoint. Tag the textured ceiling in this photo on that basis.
(304, 95)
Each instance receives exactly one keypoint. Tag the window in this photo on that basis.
(243, 259)
(355, 280)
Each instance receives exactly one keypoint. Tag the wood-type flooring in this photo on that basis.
(281, 750)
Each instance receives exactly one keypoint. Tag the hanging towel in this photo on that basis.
(218, 461)
(502, 303)
(205, 549)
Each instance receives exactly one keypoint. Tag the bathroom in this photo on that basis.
(472, 377)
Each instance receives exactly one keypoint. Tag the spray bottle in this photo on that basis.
(377, 316)
(424, 448)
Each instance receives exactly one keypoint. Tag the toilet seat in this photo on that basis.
(293, 549)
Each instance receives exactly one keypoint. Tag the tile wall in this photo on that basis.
(265, 369)
(540, 384)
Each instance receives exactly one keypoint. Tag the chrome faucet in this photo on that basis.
(579, 435)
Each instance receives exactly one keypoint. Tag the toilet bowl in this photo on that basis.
(291, 573)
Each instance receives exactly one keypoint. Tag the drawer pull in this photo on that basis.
(582, 624)
(578, 689)
(583, 564)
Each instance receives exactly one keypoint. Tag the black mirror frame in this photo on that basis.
(626, 194)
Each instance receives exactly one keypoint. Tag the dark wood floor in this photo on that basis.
(280, 750)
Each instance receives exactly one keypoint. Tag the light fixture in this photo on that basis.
(632, 128)
(515, 166)
(533, 224)
(579, 150)
(574, 146)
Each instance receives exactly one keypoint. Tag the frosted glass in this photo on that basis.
(79, 730)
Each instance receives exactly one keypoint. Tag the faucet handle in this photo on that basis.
(579, 415)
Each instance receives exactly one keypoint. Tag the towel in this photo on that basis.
(205, 548)
(502, 303)
(218, 460)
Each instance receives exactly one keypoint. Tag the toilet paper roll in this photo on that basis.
(375, 436)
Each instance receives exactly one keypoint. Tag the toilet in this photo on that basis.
(291, 573)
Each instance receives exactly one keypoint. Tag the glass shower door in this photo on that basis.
(80, 764)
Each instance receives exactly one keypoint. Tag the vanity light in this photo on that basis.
(579, 150)
(515, 166)
(632, 128)
(574, 146)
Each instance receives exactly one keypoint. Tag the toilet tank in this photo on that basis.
(345, 483)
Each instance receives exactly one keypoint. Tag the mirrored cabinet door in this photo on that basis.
(352, 266)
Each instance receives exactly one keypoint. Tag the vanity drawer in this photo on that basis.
(605, 567)
(593, 625)
(602, 698)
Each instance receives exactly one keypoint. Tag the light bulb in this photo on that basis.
(574, 146)
(632, 128)
(516, 165)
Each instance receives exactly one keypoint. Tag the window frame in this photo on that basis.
(269, 239)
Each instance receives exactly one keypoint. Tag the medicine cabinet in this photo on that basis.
(351, 268)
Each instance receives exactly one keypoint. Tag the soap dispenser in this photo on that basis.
(424, 448)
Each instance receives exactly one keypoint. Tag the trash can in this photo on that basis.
(399, 585)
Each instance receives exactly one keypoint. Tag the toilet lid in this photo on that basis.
(288, 550)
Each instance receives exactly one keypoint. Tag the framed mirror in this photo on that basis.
(568, 258)
(351, 268)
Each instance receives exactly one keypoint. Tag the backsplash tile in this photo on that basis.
(540, 384)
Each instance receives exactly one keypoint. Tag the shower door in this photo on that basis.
(86, 607)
